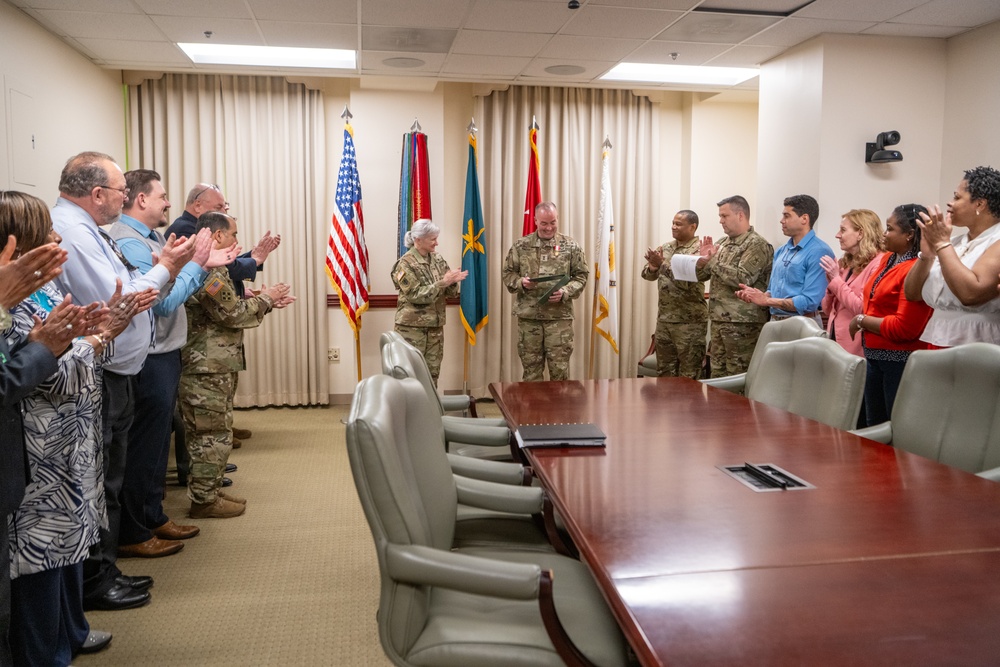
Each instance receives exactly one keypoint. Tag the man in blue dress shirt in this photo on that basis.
(798, 282)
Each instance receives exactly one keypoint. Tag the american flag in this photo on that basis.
(346, 253)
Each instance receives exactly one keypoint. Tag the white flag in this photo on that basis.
(606, 314)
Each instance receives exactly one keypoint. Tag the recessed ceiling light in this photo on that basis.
(403, 63)
(681, 74)
(268, 56)
(565, 70)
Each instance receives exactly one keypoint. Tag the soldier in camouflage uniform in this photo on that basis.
(743, 257)
(682, 316)
(424, 282)
(212, 358)
(545, 331)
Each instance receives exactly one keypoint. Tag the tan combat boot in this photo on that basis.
(220, 509)
(231, 498)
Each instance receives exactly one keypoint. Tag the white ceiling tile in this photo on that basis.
(458, 63)
(746, 56)
(619, 22)
(415, 13)
(858, 10)
(309, 11)
(224, 31)
(968, 13)
(518, 16)
(688, 53)
(907, 30)
(591, 69)
(98, 25)
(373, 61)
(490, 43)
(716, 28)
(107, 6)
(122, 50)
(676, 5)
(236, 9)
(794, 31)
(768, 6)
(314, 35)
(414, 40)
(569, 47)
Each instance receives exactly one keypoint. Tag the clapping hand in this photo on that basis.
(654, 258)
(22, 277)
(830, 267)
(62, 325)
(707, 249)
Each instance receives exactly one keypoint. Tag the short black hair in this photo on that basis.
(214, 220)
(804, 205)
(690, 216)
(738, 202)
(984, 183)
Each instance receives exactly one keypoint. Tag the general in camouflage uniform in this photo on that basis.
(212, 358)
(424, 281)
(545, 331)
(682, 313)
(743, 257)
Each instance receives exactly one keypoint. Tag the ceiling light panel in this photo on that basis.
(679, 74)
(268, 56)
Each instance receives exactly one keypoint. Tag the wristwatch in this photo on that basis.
(859, 319)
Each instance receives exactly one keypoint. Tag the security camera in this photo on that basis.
(890, 138)
(574, 4)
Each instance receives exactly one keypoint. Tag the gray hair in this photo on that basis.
(421, 228)
(83, 173)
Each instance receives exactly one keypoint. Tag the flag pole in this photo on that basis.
(347, 116)
(471, 129)
(593, 325)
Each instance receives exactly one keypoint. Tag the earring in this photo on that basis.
(977, 211)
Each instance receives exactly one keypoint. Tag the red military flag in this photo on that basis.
(533, 195)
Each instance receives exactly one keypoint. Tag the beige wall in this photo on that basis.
(57, 97)
(972, 106)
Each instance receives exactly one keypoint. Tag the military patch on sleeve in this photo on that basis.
(214, 286)
(399, 275)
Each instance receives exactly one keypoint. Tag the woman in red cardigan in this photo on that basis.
(891, 324)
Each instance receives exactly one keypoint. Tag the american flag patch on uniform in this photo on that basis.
(213, 287)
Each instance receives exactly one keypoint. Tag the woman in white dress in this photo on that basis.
(957, 276)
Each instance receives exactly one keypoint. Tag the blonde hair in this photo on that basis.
(872, 238)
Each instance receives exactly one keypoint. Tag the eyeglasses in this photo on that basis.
(124, 191)
(225, 204)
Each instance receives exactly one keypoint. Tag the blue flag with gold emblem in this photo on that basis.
(474, 295)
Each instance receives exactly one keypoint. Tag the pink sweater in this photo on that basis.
(843, 301)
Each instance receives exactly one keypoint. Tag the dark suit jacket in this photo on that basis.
(242, 268)
(21, 370)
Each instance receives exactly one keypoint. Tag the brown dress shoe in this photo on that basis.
(242, 433)
(231, 498)
(154, 547)
(173, 531)
(220, 509)
(237, 443)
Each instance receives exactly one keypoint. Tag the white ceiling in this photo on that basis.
(492, 41)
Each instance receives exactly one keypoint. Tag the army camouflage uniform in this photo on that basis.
(420, 308)
(212, 358)
(736, 324)
(545, 331)
(682, 316)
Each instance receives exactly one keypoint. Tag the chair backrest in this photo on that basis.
(792, 328)
(406, 488)
(948, 406)
(814, 378)
(402, 360)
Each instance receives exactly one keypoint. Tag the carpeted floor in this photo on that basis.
(292, 582)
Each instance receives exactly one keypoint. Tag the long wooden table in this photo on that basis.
(891, 559)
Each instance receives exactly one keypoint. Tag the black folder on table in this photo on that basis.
(560, 435)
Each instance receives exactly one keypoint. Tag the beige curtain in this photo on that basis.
(262, 139)
(573, 125)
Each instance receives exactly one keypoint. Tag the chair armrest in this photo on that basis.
(475, 434)
(500, 472)
(992, 474)
(499, 497)
(879, 433)
(455, 402)
(421, 565)
(476, 422)
(731, 383)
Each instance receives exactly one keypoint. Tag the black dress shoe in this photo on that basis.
(135, 583)
(231, 467)
(226, 481)
(117, 597)
(97, 640)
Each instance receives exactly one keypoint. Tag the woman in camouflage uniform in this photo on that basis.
(424, 282)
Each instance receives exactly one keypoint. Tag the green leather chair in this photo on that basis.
(792, 328)
(811, 377)
(449, 402)
(946, 409)
(447, 605)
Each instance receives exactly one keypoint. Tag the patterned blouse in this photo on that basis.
(63, 506)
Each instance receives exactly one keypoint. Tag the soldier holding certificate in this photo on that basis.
(545, 325)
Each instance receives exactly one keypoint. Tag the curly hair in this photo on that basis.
(984, 183)
(26, 217)
(872, 238)
(83, 173)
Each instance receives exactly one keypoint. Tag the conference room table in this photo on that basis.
(891, 559)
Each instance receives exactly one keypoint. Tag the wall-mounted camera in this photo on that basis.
(574, 4)
(876, 152)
